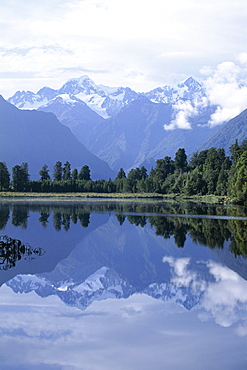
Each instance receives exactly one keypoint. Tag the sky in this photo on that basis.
(139, 44)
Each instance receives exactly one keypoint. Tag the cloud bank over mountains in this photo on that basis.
(225, 87)
(140, 45)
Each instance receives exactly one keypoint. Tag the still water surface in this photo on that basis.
(104, 285)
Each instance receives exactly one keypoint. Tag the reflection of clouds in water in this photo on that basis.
(183, 277)
(242, 329)
(135, 333)
(224, 298)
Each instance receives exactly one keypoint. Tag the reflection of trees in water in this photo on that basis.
(64, 219)
(44, 218)
(12, 250)
(4, 216)
(64, 215)
(20, 216)
(137, 220)
(209, 232)
(121, 219)
(238, 244)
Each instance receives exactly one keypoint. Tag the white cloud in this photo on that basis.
(153, 40)
(183, 111)
(225, 88)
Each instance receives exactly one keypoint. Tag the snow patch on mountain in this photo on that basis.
(187, 90)
(95, 102)
(27, 100)
(105, 101)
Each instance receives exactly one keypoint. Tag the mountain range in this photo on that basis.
(38, 138)
(125, 128)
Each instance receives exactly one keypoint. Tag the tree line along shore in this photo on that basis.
(208, 172)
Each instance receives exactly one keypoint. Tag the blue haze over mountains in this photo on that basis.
(125, 128)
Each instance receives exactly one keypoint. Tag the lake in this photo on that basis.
(98, 285)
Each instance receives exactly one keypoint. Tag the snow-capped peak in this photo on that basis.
(27, 100)
(81, 85)
(186, 90)
(105, 101)
(191, 84)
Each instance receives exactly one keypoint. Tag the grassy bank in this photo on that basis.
(116, 196)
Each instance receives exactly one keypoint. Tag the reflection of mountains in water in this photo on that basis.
(103, 284)
(116, 261)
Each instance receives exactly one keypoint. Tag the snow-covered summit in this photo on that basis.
(27, 100)
(186, 90)
(105, 101)
(80, 85)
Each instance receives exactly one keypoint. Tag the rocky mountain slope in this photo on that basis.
(235, 129)
(38, 138)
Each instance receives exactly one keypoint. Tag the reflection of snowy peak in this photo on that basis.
(184, 296)
(103, 284)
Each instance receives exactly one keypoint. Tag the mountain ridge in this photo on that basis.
(38, 138)
(111, 121)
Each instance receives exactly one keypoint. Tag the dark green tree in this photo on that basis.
(67, 171)
(84, 173)
(194, 183)
(238, 182)
(120, 181)
(133, 176)
(143, 173)
(223, 177)
(212, 168)
(74, 174)
(180, 160)
(121, 174)
(44, 173)
(20, 177)
(4, 177)
(58, 171)
(164, 167)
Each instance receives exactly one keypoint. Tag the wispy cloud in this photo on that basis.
(140, 44)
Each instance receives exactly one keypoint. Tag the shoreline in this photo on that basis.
(21, 196)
